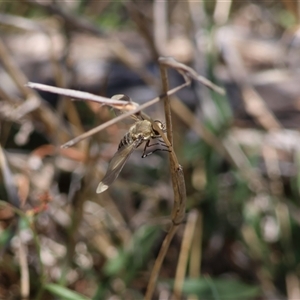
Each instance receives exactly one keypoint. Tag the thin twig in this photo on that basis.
(159, 260)
(178, 183)
(15, 73)
(25, 286)
(138, 16)
(196, 253)
(160, 27)
(111, 103)
(81, 95)
(8, 179)
(176, 170)
(221, 12)
(189, 72)
(292, 285)
(184, 252)
(167, 106)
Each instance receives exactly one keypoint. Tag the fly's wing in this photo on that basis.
(124, 108)
(116, 165)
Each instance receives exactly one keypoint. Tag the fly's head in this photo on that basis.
(162, 127)
(145, 131)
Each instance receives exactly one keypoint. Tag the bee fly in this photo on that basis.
(141, 131)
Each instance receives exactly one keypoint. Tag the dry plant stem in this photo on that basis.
(137, 16)
(160, 27)
(197, 14)
(292, 286)
(5, 96)
(176, 170)
(273, 170)
(196, 249)
(76, 94)
(196, 253)
(20, 22)
(167, 106)
(298, 11)
(8, 180)
(184, 252)
(12, 69)
(178, 210)
(158, 262)
(222, 10)
(188, 72)
(24, 270)
(110, 102)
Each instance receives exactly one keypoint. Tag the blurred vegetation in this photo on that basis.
(61, 240)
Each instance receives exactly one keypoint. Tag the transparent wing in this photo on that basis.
(116, 165)
(118, 110)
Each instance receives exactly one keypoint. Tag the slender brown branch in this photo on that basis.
(176, 170)
(167, 106)
(112, 103)
(184, 252)
(78, 94)
(196, 249)
(25, 285)
(189, 72)
(178, 183)
(12, 69)
(159, 260)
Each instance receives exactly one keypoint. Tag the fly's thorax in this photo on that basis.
(141, 129)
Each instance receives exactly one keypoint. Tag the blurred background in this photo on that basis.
(61, 240)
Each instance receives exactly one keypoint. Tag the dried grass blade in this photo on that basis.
(189, 72)
(121, 117)
(11, 189)
(184, 252)
(82, 95)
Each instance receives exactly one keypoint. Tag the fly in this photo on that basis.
(141, 131)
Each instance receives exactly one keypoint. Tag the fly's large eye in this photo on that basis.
(160, 125)
(155, 132)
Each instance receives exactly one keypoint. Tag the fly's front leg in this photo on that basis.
(159, 149)
(147, 145)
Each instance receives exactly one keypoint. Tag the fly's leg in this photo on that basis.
(147, 145)
(159, 149)
(162, 143)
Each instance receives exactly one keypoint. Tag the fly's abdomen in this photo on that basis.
(126, 140)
